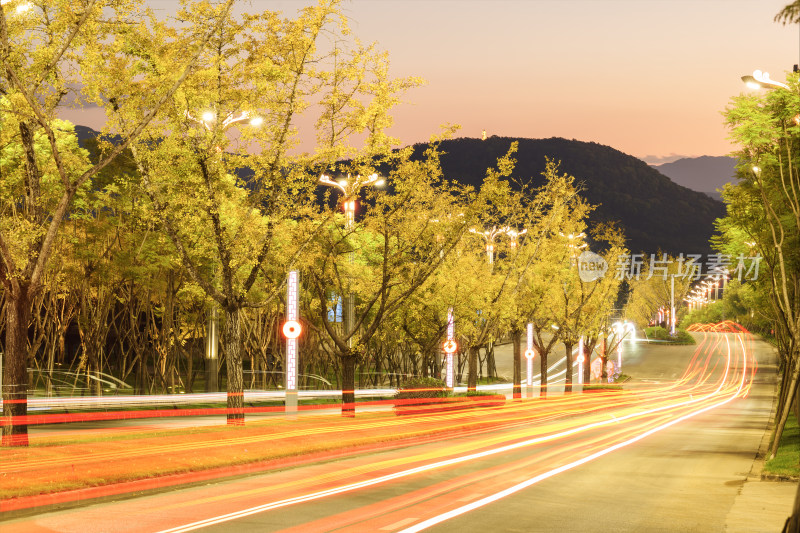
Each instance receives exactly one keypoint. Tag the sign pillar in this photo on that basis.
(449, 351)
(291, 330)
(529, 355)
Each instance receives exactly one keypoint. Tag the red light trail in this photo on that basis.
(504, 450)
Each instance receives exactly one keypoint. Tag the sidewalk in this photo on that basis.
(762, 505)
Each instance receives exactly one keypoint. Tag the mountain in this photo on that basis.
(655, 212)
(704, 174)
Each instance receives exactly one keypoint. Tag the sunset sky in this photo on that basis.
(647, 77)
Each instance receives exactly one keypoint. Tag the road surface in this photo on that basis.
(668, 454)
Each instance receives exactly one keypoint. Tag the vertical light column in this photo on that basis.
(672, 305)
(529, 355)
(449, 350)
(291, 330)
(212, 362)
(580, 361)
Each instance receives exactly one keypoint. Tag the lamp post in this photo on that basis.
(514, 236)
(209, 120)
(350, 187)
(672, 304)
(489, 236)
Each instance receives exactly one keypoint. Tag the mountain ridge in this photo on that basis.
(655, 212)
(704, 173)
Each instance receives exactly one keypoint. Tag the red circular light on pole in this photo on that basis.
(292, 329)
(529, 353)
(450, 346)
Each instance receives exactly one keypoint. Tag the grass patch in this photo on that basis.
(787, 460)
(603, 386)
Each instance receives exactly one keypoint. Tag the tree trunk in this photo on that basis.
(784, 413)
(349, 385)
(568, 378)
(233, 360)
(15, 371)
(516, 339)
(604, 360)
(472, 370)
(543, 375)
(587, 364)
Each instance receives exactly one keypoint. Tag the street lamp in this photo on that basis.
(761, 80)
(350, 187)
(21, 8)
(514, 236)
(489, 236)
(208, 119)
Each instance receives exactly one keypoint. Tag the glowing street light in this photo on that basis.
(350, 187)
(761, 80)
(489, 236)
(514, 236)
(207, 119)
(21, 7)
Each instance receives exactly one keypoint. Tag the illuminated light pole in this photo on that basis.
(291, 330)
(514, 236)
(489, 236)
(581, 357)
(208, 119)
(672, 304)
(631, 328)
(350, 188)
(449, 349)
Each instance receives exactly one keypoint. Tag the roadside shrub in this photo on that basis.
(420, 388)
(658, 333)
(683, 337)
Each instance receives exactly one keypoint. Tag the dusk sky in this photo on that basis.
(647, 77)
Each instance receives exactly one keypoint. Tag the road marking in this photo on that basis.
(399, 524)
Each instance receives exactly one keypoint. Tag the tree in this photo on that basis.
(60, 49)
(765, 206)
(384, 258)
(236, 218)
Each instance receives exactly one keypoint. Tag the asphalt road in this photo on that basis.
(597, 464)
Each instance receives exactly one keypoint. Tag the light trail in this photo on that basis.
(668, 402)
(536, 479)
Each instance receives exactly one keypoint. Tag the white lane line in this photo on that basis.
(397, 525)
